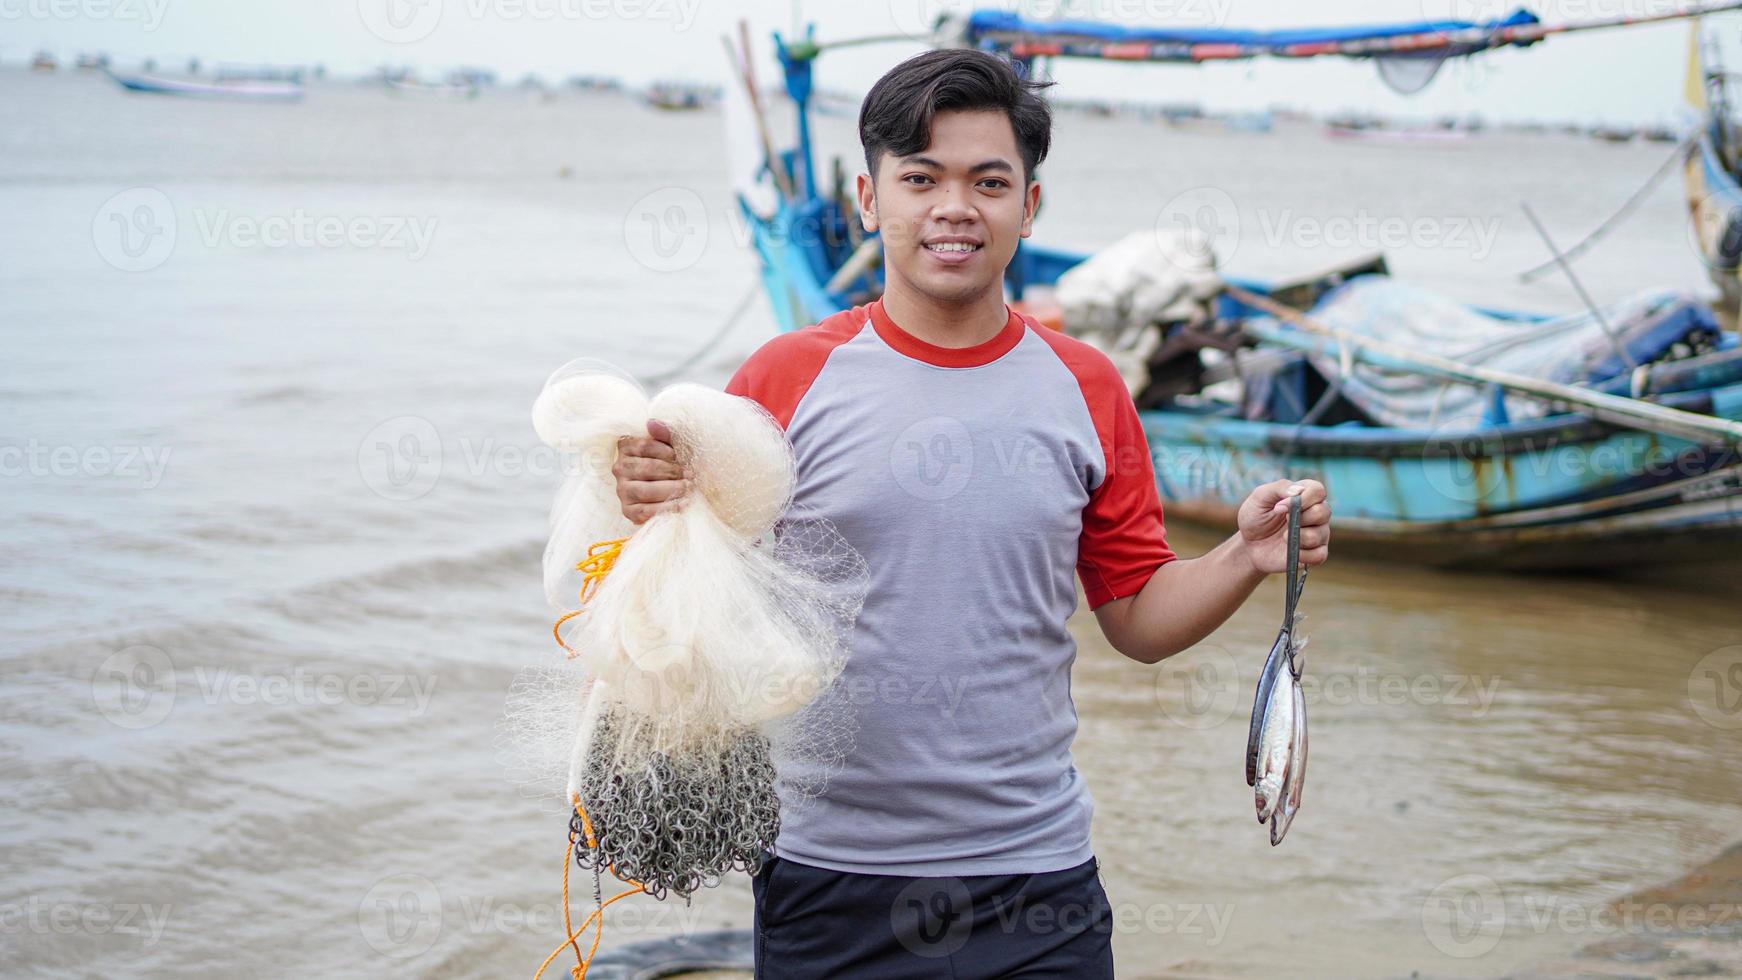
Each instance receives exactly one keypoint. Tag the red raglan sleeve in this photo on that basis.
(1124, 539)
(744, 381)
(766, 378)
(782, 370)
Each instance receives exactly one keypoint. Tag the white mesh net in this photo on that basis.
(708, 653)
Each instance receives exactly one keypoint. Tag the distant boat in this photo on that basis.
(595, 83)
(455, 91)
(253, 73)
(1430, 137)
(1250, 122)
(43, 62)
(674, 96)
(245, 90)
(92, 62)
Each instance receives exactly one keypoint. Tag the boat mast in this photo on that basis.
(795, 64)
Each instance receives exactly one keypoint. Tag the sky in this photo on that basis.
(1630, 75)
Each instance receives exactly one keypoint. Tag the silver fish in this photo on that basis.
(1276, 743)
(1273, 665)
(1294, 783)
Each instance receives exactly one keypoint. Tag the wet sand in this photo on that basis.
(1689, 927)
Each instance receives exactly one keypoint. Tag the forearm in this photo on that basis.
(1184, 601)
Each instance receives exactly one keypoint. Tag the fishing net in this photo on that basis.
(705, 645)
(1407, 74)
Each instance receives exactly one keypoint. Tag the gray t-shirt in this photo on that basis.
(974, 482)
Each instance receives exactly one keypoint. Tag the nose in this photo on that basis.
(953, 205)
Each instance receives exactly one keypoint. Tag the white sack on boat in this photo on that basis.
(1116, 299)
(1147, 277)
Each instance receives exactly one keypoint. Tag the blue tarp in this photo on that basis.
(1575, 349)
(983, 22)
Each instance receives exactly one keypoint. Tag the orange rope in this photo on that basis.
(557, 631)
(597, 919)
(601, 558)
(568, 926)
(580, 971)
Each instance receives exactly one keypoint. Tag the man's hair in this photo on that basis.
(897, 114)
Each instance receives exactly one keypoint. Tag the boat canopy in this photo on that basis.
(1408, 53)
(1005, 29)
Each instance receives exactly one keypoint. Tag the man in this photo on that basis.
(975, 459)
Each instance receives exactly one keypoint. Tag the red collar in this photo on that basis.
(950, 357)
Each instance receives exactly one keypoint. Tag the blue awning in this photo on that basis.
(1004, 24)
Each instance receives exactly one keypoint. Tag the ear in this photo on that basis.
(1030, 207)
(867, 203)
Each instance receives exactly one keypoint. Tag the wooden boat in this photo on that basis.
(678, 96)
(1415, 136)
(1561, 491)
(244, 90)
(454, 91)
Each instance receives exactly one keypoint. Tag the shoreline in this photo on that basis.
(1688, 927)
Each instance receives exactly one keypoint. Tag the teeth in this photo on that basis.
(953, 247)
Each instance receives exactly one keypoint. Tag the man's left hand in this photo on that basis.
(1263, 523)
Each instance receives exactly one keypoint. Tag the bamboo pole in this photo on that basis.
(863, 260)
(1628, 412)
(746, 72)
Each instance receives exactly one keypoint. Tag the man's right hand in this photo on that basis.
(649, 478)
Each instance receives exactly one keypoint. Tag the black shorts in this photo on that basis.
(812, 923)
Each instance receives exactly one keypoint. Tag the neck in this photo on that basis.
(966, 324)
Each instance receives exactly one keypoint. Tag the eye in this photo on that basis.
(911, 178)
(996, 182)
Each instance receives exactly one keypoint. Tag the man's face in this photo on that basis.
(952, 213)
